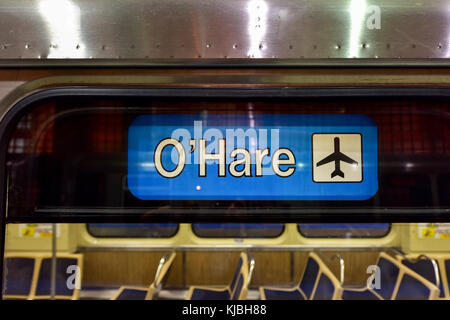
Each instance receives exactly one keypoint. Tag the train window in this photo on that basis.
(235, 230)
(109, 167)
(132, 230)
(69, 160)
(344, 230)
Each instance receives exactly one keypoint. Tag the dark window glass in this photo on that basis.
(344, 230)
(132, 230)
(235, 230)
(67, 156)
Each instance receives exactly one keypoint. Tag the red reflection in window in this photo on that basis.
(34, 132)
(404, 126)
(409, 128)
(107, 133)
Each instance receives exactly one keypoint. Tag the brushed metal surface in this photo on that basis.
(219, 29)
(8, 86)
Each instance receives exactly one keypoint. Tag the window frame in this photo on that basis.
(414, 85)
(389, 229)
(90, 233)
(283, 230)
(307, 216)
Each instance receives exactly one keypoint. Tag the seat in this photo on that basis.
(446, 280)
(68, 277)
(150, 292)
(389, 272)
(397, 282)
(425, 266)
(236, 290)
(434, 267)
(28, 276)
(317, 283)
(20, 276)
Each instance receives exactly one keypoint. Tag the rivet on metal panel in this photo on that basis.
(287, 25)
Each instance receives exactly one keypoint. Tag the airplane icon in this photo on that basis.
(337, 157)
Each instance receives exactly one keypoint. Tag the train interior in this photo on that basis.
(228, 261)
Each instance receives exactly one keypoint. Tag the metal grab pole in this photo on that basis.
(53, 268)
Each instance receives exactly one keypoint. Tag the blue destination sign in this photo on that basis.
(258, 157)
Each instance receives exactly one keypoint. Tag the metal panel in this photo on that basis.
(218, 29)
(7, 86)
